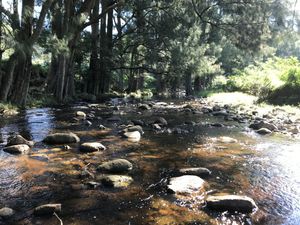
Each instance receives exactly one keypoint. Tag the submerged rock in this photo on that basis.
(216, 125)
(91, 147)
(197, 171)
(102, 127)
(114, 119)
(47, 209)
(93, 184)
(88, 123)
(116, 181)
(133, 128)
(160, 121)
(144, 107)
(138, 122)
(263, 131)
(156, 127)
(231, 203)
(61, 138)
(186, 184)
(17, 149)
(225, 140)
(220, 113)
(18, 140)
(6, 212)
(116, 166)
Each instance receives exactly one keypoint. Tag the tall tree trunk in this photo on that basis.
(109, 49)
(197, 84)
(7, 79)
(188, 83)
(132, 81)
(174, 86)
(1, 51)
(93, 80)
(1, 40)
(103, 49)
(20, 87)
(120, 84)
(160, 85)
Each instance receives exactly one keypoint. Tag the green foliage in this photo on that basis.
(262, 78)
(42, 101)
(276, 80)
(292, 77)
(219, 82)
(7, 106)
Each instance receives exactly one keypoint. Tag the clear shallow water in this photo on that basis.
(264, 168)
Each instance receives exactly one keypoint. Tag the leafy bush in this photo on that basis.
(263, 78)
(219, 82)
(289, 93)
(292, 77)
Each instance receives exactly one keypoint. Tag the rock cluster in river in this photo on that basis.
(17, 144)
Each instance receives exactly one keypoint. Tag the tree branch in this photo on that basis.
(102, 14)
(40, 22)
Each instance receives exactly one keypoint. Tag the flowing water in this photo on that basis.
(265, 168)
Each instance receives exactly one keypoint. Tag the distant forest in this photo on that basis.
(70, 49)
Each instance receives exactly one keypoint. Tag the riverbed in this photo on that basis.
(265, 168)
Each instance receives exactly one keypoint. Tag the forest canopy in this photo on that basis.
(68, 49)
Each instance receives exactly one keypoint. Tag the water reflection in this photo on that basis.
(39, 122)
(279, 165)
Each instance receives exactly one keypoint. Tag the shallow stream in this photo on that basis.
(265, 168)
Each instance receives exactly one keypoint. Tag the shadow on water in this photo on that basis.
(264, 168)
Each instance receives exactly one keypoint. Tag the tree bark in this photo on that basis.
(93, 77)
(197, 84)
(7, 79)
(103, 49)
(188, 83)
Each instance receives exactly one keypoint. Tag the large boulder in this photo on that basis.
(18, 140)
(186, 184)
(61, 138)
(47, 210)
(116, 181)
(6, 212)
(197, 171)
(17, 149)
(263, 124)
(231, 203)
(116, 166)
(91, 147)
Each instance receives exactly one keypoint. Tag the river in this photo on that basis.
(265, 168)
